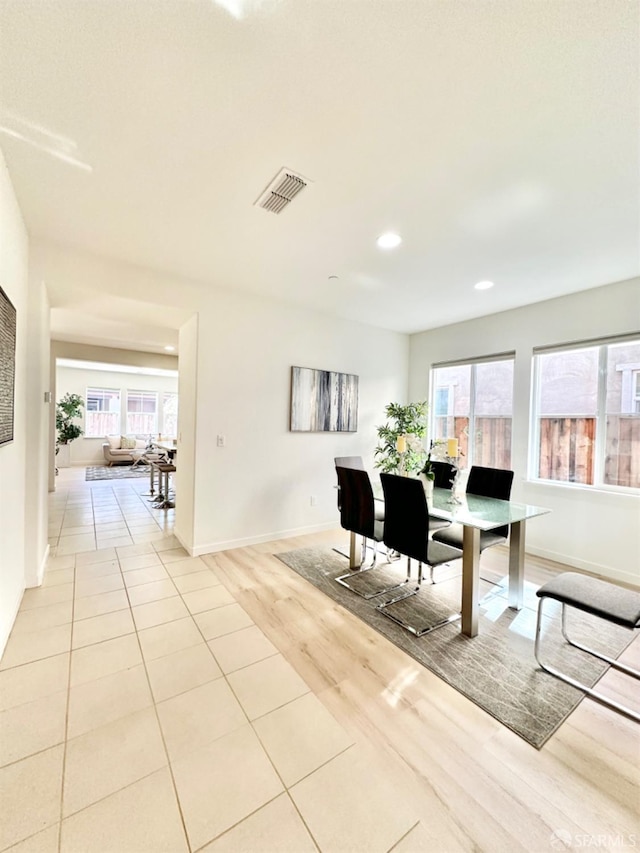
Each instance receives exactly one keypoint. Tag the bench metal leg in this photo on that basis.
(610, 703)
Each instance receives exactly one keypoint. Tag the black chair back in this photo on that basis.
(491, 483)
(357, 506)
(444, 474)
(406, 516)
(349, 462)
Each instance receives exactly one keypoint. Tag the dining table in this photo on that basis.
(477, 513)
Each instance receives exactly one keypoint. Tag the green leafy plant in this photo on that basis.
(68, 407)
(436, 451)
(409, 421)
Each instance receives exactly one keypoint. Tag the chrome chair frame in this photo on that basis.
(406, 529)
(621, 667)
(358, 515)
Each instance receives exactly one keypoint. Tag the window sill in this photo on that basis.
(624, 491)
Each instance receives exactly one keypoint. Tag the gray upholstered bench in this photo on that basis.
(606, 600)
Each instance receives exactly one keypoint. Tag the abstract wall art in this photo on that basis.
(323, 401)
(7, 366)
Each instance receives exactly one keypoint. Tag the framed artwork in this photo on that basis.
(7, 366)
(323, 401)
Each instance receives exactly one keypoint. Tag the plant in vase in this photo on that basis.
(428, 475)
(68, 407)
(401, 440)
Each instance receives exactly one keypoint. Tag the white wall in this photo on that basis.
(236, 355)
(22, 481)
(259, 486)
(185, 475)
(595, 530)
(37, 434)
(76, 380)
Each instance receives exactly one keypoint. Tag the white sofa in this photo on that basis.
(115, 454)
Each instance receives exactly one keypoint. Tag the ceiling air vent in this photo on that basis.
(281, 191)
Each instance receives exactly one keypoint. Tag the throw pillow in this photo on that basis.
(127, 443)
(114, 442)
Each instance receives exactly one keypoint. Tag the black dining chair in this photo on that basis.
(357, 463)
(444, 475)
(348, 462)
(406, 529)
(362, 515)
(488, 483)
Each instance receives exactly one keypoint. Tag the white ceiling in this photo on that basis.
(499, 138)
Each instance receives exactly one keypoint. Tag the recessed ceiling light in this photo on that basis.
(388, 240)
(483, 285)
(170, 349)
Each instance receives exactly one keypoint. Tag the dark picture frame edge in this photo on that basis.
(8, 323)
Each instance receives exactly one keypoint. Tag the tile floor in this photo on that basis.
(143, 710)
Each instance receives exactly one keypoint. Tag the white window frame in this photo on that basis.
(600, 415)
(472, 363)
(138, 391)
(87, 413)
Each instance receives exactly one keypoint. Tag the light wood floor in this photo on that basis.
(151, 701)
(476, 785)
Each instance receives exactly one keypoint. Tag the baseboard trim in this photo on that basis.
(227, 545)
(606, 572)
(596, 569)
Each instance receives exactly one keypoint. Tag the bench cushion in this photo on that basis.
(600, 598)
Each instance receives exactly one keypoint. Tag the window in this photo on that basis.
(587, 417)
(142, 413)
(102, 412)
(170, 415)
(441, 403)
(475, 399)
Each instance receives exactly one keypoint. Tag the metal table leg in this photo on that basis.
(470, 580)
(516, 565)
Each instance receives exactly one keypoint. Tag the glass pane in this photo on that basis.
(454, 385)
(568, 382)
(494, 389)
(567, 407)
(567, 449)
(493, 410)
(170, 415)
(622, 440)
(102, 423)
(142, 424)
(103, 400)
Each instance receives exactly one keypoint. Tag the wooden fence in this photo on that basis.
(492, 442)
(622, 452)
(567, 447)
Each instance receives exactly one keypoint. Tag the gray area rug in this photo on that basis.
(116, 472)
(497, 669)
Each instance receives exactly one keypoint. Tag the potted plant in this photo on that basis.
(409, 424)
(68, 407)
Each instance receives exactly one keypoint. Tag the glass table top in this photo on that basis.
(483, 513)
